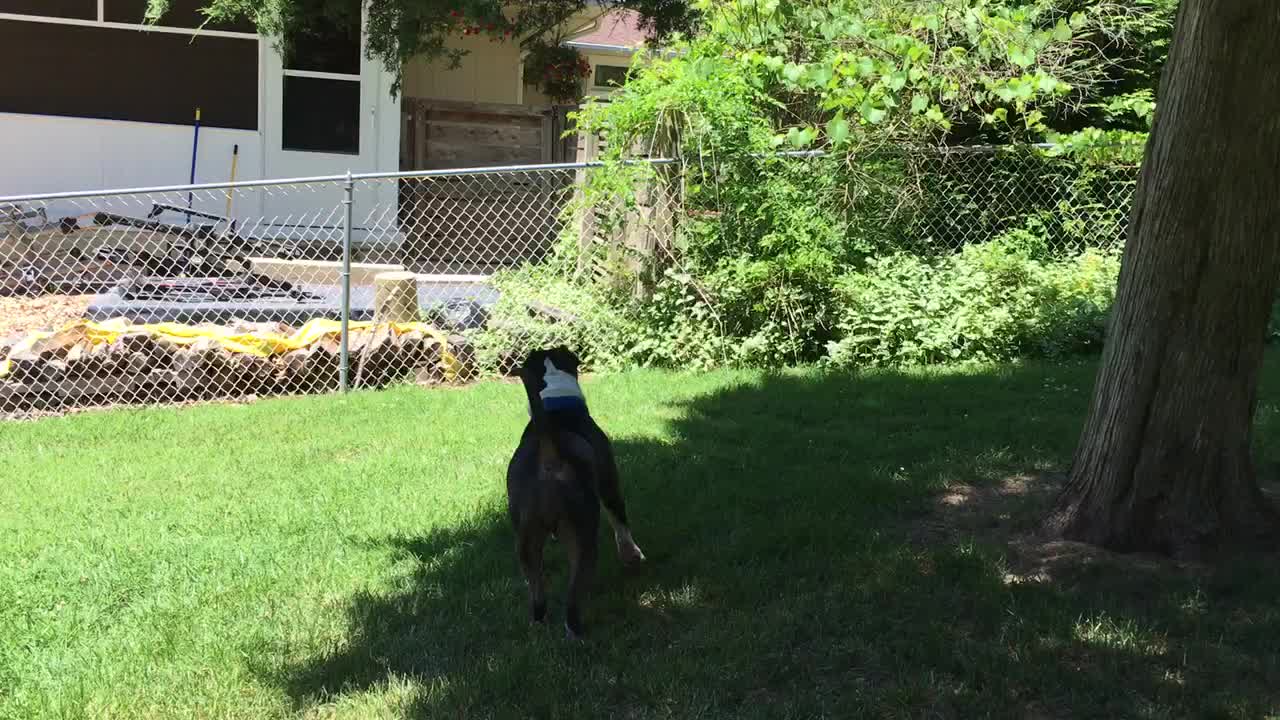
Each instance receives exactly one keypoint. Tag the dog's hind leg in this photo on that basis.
(610, 489)
(529, 544)
(616, 510)
(581, 538)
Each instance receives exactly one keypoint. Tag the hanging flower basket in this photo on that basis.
(557, 71)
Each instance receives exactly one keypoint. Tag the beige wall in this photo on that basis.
(489, 73)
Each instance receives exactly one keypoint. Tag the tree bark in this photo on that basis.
(1164, 462)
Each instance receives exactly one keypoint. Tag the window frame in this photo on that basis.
(357, 78)
(595, 75)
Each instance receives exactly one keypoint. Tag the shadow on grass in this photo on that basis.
(787, 578)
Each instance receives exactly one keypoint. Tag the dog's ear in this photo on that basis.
(531, 372)
(565, 359)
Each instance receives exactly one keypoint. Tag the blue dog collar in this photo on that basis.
(561, 391)
(564, 402)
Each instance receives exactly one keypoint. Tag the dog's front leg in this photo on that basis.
(581, 538)
(529, 549)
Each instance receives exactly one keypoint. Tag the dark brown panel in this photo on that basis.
(321, 115)
(129, 75)
(77, 9)
(327, 42)
(182, 14)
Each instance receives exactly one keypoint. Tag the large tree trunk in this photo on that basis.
(1164, 461)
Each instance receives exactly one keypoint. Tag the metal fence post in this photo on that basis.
(344, 359)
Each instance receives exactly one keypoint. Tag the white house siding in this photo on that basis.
(57, 154)
(63, 143)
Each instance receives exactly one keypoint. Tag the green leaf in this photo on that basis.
(1048, 84)
(1020, 56)
(793, 72)
(838, 130)
(1078, 20)
(871, 113)
(919, 103)
(897, 80)
(1062, 31)
(773, 62)
(820, 75)
(800, 139)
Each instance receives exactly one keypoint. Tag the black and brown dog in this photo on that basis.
(561, 473)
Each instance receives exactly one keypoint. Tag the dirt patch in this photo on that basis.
(20, 314)
(998, 512)
(1009, 513)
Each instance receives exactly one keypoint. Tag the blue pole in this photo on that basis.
(195, 147)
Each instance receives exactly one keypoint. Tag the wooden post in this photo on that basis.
(549, 135)
(421, 120)
(407, 126)
(587, 152)
(395, 298)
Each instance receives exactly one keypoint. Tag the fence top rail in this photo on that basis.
(314, 180)
(446, 172)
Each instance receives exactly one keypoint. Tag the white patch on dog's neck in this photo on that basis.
(561, 391)
(559, 383)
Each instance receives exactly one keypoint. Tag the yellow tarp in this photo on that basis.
(262, 343)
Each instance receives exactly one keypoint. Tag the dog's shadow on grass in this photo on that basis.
(786, 576)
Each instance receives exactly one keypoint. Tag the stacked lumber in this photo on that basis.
(76, 366)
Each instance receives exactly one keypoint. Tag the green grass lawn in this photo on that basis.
(351, 558)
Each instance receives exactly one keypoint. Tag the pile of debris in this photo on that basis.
(20, 315)
(88, 363)
(40, 255)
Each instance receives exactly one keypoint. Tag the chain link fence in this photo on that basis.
(931, 201)
(207, 292)
(963, 196)
(178, 294)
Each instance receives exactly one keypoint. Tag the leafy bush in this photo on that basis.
(1005, 299)
(996, 301)
(522, 320)
(778, 259)
(761, 273)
